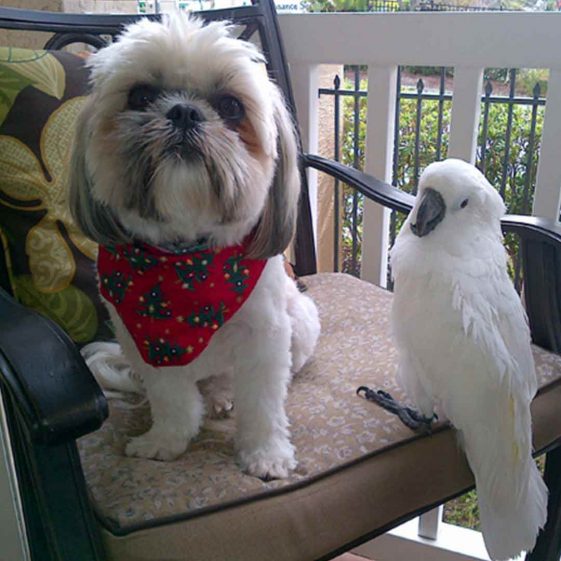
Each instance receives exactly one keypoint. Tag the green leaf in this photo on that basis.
(71, 308)
(20, 68)
(11, 83)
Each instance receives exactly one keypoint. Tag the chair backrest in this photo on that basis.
(257, 22)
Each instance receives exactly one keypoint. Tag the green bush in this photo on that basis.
(496, 74)
(463, 511)
(528, 78)
(354, 5)
(428, 70)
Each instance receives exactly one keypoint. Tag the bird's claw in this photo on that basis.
(408, 416)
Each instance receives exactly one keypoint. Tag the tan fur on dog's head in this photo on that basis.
(184, 137)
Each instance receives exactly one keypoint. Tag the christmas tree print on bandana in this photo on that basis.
(152, 304)
(194, 271)
(173, 303)
(115, 285)
(139, 258)
(236, 273)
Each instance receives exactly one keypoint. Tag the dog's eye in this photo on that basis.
(141, 96)
(230, 108)
(464, 203)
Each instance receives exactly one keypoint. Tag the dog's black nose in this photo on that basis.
(184, 116)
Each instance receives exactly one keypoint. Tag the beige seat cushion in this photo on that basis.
(359, 468)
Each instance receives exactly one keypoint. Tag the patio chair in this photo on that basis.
(360, 471)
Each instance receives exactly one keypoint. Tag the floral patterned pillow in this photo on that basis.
(50, 262)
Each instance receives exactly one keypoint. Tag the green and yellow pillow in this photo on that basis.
(50, 262)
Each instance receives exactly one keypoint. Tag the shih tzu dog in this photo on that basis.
(185, 171)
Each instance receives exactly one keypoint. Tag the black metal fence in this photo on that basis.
(507, 152)
(385, 6)
(402, 6)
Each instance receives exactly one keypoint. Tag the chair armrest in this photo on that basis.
(543, 230)
(376, 190)
(540, 245)
(45, 376)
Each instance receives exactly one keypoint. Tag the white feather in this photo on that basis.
(464, 345)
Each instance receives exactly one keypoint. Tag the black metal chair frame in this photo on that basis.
(51, 398)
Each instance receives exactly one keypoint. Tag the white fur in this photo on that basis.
(184, 55)
(464, 344)
(257, 343)
(276, 329)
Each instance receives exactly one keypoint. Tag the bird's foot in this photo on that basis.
(408, 416)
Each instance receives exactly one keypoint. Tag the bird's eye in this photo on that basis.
(230, 108)
(464, 203)
(141, 96)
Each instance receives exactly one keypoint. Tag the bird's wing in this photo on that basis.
(496, 345)
(494, 318)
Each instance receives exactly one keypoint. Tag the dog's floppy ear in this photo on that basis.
(276, 226)
(94, 218)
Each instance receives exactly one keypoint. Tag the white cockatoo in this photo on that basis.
(464, 345)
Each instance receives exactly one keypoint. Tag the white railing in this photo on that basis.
(469, 42)
(13, 537)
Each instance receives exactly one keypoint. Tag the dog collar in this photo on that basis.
(173, 302)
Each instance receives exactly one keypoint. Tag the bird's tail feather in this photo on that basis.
(512, 530)
(511, 492)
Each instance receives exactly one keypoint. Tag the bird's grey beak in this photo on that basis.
(431, 211)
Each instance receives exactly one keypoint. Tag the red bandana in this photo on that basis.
(173, 303)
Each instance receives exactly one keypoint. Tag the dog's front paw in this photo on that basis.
(267, 464)
(157, 445)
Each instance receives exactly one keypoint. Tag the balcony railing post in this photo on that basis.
(382, 95)
(305, 83)
(466, 108)
(429, 523)
(548, 180)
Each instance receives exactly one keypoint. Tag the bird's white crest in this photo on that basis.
(464, 345)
